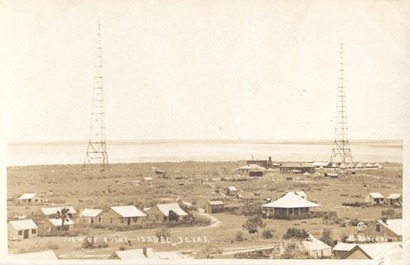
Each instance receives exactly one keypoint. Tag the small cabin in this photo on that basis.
(22, 229)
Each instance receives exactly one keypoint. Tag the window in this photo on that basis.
(20, 233)
(111, 220)
(378, 228)
(33, 231)
(99, 219)
(122, 220)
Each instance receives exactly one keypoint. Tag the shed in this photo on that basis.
(22, 229)
(289, 206)
(215, 206)
(231, 190)
(374, 198)
(160, 212)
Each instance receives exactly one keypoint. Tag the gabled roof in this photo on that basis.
(27, 196)
(394, 196)
(36, 256)
(291, 200)
(23, 224)
(232, 188)
(54, 210)
(301, 193)
(313, 243)
(57, 222)
(91, 212)
(344, 246)
(395, 225)
(166, 207)
(128, 211)
(376, 195)
(377, 250)
(216, 202)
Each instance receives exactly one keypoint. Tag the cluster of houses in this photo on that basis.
(376, 198)
(48, 221)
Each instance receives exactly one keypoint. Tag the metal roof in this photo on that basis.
(23, 224)
(232, 188)
(395, 225)
(376, 195)
(27, 196)
(54, 210)
(291, 200)
(128, 211)
(57, 222)
(166, 207)
(315, 244)
(91, 212)
(394, 196)
(216, 202)
(344, 246)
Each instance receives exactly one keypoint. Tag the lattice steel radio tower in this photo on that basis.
(341, 152)
(97, 149)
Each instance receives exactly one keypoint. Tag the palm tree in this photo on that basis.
(65, 216)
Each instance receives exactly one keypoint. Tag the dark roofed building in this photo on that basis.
(297, 168)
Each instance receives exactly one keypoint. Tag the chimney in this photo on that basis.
(144, 251)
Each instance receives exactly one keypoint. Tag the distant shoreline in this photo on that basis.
(381, 143)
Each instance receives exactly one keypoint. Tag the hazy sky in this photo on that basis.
(225, 69)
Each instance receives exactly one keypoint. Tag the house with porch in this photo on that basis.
(54, 226)
(374, 198)
(394, 199)
(123, 216)
(22, 229)
(289, 206)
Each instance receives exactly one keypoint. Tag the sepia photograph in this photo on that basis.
(198, 131)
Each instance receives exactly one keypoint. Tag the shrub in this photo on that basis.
(267, 233)
(239, 236)
(53, 246)
(296, 234)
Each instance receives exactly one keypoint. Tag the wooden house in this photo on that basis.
(22, 229)
(316, 248)
(91, 216)
(394, 199)
(160, 212)
(289, 206)
(122, 216)
(30, 198)
(374, 198)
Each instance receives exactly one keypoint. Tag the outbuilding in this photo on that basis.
(374, 198)
(394, 199)
(22, 229)
(215, 206)
(231, 191)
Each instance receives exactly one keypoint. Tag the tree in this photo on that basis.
(327, 237)
(239, 236)
(65, 216)
(172, 216)
(295, 251)
(267, 233)
(294, 233)
(253, 222)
